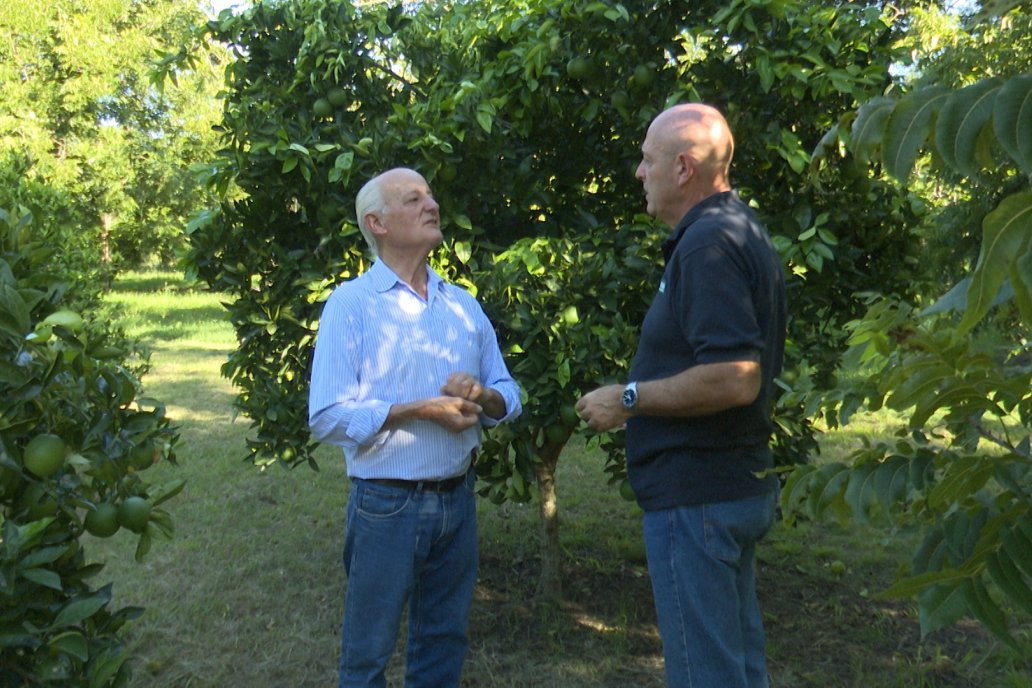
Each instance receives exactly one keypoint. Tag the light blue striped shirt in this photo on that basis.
(379, 344)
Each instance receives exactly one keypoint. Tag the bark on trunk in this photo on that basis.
(550, 583)
(107, 220)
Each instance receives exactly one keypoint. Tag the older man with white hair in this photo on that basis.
(407, 369)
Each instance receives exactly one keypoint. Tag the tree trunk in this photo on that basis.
(107, 220)
(550, 583)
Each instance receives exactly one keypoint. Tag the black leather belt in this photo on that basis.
(446, 485)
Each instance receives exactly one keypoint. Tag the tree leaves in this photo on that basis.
(1013, 120)
(953, 123)
(963, 117)
(1005, 237)
(966, 128)
(907, 129)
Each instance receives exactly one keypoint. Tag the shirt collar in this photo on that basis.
(385, 279)
(693, 214)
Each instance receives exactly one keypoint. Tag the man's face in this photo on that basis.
(411, 216)
(657, 174)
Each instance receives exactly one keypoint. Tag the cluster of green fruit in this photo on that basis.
(583, 68)
(46, 454)
(74, 438)
(324, 106)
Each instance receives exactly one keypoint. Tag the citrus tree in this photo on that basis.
(526, 118)
(76, 437)
(957, 367)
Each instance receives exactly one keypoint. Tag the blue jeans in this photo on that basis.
(406, 546)
(702, 561)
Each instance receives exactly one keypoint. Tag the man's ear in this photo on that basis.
(375, 225)
(685, 168)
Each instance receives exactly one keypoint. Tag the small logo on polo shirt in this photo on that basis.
(662, 286)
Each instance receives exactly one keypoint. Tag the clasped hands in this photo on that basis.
(458, 408)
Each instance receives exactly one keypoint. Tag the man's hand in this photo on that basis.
(465, 386)
(451, 413)
(603, 408)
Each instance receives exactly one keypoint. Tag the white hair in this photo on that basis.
(369, 200)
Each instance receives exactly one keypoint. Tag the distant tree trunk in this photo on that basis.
(107, 221)
(550, 583)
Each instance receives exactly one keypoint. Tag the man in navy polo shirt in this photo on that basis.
(697, 407)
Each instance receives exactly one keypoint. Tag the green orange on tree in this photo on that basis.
(557, 433)
(322, 108)
(644, 75)
(620, 100)
(102, 521)
(143, 455)
(626, 491)
(134, 512)
(578, 68)
(568, 414)
(44, 455)
(337, 96)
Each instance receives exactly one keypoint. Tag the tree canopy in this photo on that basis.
(82, 115)
(955, 362)
(526, 117)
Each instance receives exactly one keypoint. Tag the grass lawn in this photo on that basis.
(248, 594)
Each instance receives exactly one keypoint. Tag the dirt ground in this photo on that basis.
(826, 628)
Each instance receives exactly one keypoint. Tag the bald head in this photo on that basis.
(685, 158)
(702, 133)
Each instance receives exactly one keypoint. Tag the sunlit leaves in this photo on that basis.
(907, 128)
(963, 127)
(952, 122)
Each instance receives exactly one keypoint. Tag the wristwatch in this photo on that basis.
(630, 397)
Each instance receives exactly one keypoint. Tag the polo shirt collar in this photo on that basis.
(693, 214)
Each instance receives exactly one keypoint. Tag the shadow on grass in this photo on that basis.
(199, 395)
(602, 634)
(183, 323)
(149, 282)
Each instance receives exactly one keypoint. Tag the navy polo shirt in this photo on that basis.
(721, 299)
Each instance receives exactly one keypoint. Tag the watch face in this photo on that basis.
(630, 398)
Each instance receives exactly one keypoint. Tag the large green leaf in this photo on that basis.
(1021, 283)
(869, 127)
(987, 611)
(1012, 120)
(962, 118)
(1005, 233)
(918, 382)
(860, 494)
(943, 604)
(1009, 580)
(909, 127)
(79, 609)
(1017, 548)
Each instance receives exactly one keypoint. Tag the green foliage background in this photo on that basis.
(961, 470)
(82, 117)
(80, 383)
(526, 118)
(478, 96)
